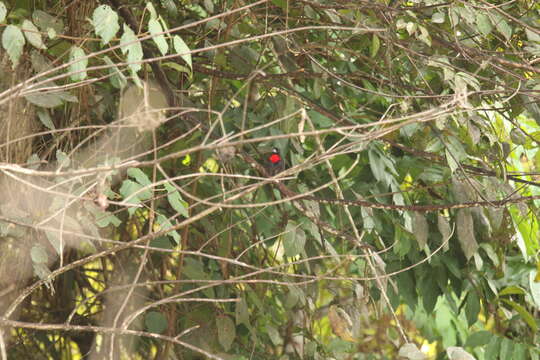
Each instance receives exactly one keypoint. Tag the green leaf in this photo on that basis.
(226, 331)
(410, 351)
(430, 292)
(139, 176)
(45, 118)
(181, 48)
(465, 233)
(504, 28)
(62, 159)
(438, 18)
(176, 201)
(424, 36)
(13, 42)
(32, 34)
(274, 335)
(472, 307)
(39, 254)
(134, 50)
(512, 290)
(484, 24)
(161, 242)
(375, 45)
(522, 311)
(166, 224)
(155, 322)
(118, 79)
(535, 287)
(47, 22)
(151, 9)
(155, 28)
(479, 338)
(78, 69)
(519, 352)
(242, 312)
(46, 100)
(492, 350)
(506, 349)
(105, 22)
(3, 11)
(421, 229)
(294, 239)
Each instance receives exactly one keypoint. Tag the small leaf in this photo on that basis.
(210, 165)
(3, 11)
(410, 351)
(47, 22)
(45, 118)
(274, 335)
(226, 331)
(437, 18)
(155, 322)
(134, 50)
(181, 48)
(78, 69)
(457, 353)
(32, 34)
(166, 224)
(444, 228)
(176, 201)
(424, 36)
(118, 79)
(465, 233)
(504, 28)
(13, 42)
(152, 10)
(105, 21)
(62, 158)
(421, 229)
(512, 290)
(484, 24)
(38, 254)
(294, 239)
(155, 28)
(375, 45)
(242, 312)
(535, 286)
(139, 175)
(524, 313)
(49, 99)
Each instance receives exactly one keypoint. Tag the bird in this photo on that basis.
(275, 163)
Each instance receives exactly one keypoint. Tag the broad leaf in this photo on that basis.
(105, 21)
(13, 42)
(78, 69)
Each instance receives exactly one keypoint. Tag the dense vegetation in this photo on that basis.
(141, 219)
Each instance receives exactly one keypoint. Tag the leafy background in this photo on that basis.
(162, 237)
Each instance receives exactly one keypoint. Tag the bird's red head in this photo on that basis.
(275, 158)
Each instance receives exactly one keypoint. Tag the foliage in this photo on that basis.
(156, 230)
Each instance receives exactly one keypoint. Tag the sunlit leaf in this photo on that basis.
(105, 22)
(78, 69)
(32, 34)
(154, 27)
(13, 42)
